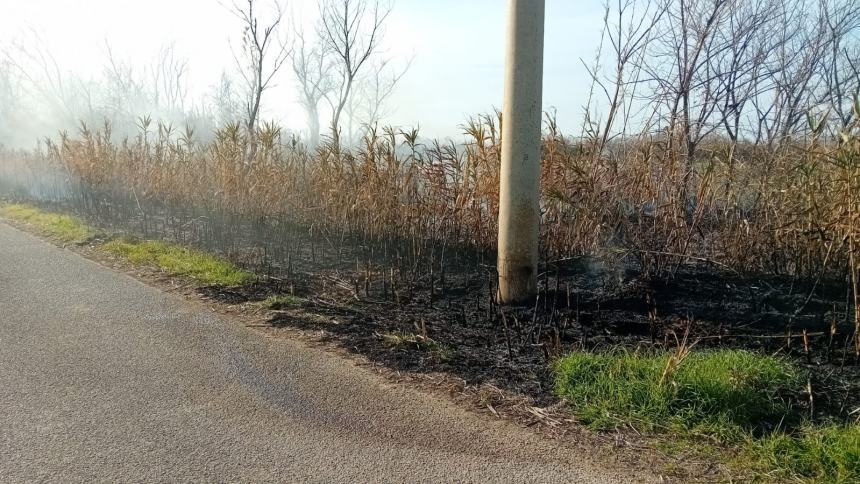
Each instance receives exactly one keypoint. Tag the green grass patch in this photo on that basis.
(61, 227)
(713, 392)
(734, 397)
(180, 260)
(281, 301)
(828, 453)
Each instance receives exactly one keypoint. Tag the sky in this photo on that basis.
(456, 49)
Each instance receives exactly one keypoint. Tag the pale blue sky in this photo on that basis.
(457, 46)
(460, 58)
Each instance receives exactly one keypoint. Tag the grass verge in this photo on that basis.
(178, 260)
(734, 397)
(61, 227)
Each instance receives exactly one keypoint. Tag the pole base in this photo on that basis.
(517, 284)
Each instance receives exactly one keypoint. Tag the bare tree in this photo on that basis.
(794, 68)
(60, 99)
(681, 68)
(10, 101)
(58, 91)
(629, 28)
(169, 74)
(225, 102)
(368, 102)
(311, 66)
(839, 65)
(125, 93)
(734, 68)
(158, 88)
(261, 57)
(352, 31)
(748, 34)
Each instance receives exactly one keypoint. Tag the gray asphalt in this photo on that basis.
(103, 378)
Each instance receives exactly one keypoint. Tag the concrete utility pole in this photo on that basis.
(519, 205)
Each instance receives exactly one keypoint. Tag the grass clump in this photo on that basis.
(713, 392)
(828, 453)
(179, 260)
(735, 397)
(61, 227)
(281, 301)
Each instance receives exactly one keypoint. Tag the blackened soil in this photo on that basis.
(429, 324)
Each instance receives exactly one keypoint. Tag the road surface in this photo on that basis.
(103, 378)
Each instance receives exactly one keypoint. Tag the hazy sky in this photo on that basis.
(457, 46)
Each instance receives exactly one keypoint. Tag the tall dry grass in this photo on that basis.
(789, 209)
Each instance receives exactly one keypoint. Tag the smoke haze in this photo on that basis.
(72, 60)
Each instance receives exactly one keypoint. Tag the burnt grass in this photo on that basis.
(422, 307)
(449, 323)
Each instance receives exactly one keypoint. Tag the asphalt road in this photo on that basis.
(103, 378)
